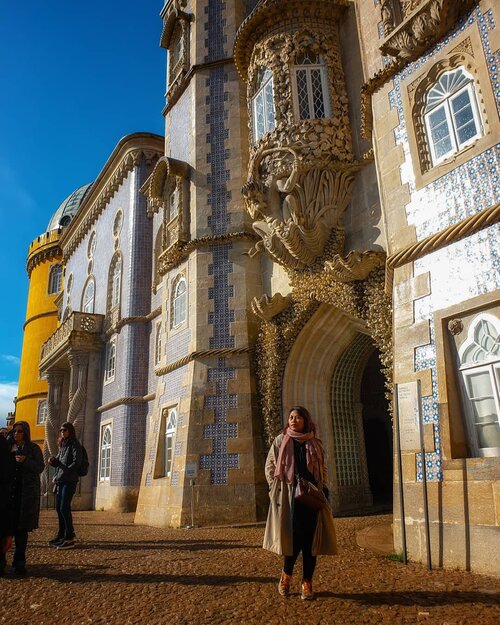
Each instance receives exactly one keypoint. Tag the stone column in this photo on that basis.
(55, 381)
(79, 361)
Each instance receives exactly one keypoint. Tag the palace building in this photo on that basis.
(319, 225)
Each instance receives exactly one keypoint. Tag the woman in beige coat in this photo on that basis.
(291, 526)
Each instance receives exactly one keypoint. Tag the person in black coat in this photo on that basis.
(25, 491)
(7, 469)
(67, 464)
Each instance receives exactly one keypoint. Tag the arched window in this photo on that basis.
(171, 421)
(116, 280)
(310, 87)
(105, 454)
(451, 114)
(110, 365)
(55, 279)
(158, 343)
(88, 297)
(179, 301)
(42, 412)
(263, 112)
(480, 370)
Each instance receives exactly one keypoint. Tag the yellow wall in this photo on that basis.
(41, 321)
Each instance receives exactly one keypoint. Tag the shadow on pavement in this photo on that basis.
(422, 598)
(98, 574)
(185, 545)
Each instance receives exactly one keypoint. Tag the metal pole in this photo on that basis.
(424, 482)
(400, 476)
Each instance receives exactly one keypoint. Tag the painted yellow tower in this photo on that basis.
(45, 272)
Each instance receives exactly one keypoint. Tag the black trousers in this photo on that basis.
(64, 496)
(304, 528)
(21, 542)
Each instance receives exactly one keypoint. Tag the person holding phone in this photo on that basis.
(25, 491)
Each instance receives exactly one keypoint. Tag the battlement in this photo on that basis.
(45, 246)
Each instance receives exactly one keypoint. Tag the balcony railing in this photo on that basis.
(85, 324)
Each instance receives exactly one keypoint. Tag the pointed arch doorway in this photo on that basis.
(334, 370)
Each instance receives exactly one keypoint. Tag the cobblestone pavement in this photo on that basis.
(124, 574)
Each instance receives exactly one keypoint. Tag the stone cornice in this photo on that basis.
(424, 26)
(267, 12)
(50, 313)
(129, 152)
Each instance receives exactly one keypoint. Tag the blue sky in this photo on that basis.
(76, 77)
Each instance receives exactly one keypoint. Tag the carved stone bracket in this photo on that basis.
(355, 266)
(295, 208)
(424, 23)
(266, 308)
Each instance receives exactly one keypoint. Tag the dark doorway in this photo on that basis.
(378, 432)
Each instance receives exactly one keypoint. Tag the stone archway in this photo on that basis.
(324, 372)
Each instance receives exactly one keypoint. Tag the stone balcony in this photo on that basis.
(81, 331)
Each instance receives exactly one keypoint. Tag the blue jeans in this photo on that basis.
(64, 496)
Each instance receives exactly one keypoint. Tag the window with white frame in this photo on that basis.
(110, 365)
(480, 373)
(171, 421)
(310, 87)
(42, 412)
(88, 297)
(451, 115)
(105, 454)
(116, 280)
(55, 279)
(158, 343)
(263, 111)
(179, 302)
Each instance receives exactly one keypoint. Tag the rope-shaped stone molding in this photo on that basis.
(208, 353)
(133, 399)
(138, 319)
(453, 233)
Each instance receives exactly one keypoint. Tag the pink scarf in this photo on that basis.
(285, 466)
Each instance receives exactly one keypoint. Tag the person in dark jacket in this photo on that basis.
(25, 491)
(7, 470)
(67, 464)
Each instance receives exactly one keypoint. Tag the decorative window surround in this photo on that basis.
(105, 454)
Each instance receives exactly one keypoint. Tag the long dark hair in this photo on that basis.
(72, 434)
(309, 425)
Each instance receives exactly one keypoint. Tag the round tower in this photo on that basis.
(45, 273)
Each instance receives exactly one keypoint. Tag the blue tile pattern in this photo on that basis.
(469, 267)
(219, 461)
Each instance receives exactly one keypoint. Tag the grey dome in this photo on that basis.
(67, 210)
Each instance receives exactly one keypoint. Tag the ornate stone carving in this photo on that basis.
(424, 22)
(81, 330)
(355, 266)
(295, 208)
(266, 308)
(365, 300)
(455, 326)
(167, 186)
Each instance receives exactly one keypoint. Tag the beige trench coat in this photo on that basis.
(278, 536)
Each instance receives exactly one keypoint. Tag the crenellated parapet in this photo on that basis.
(43, 248)
(302, 166)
